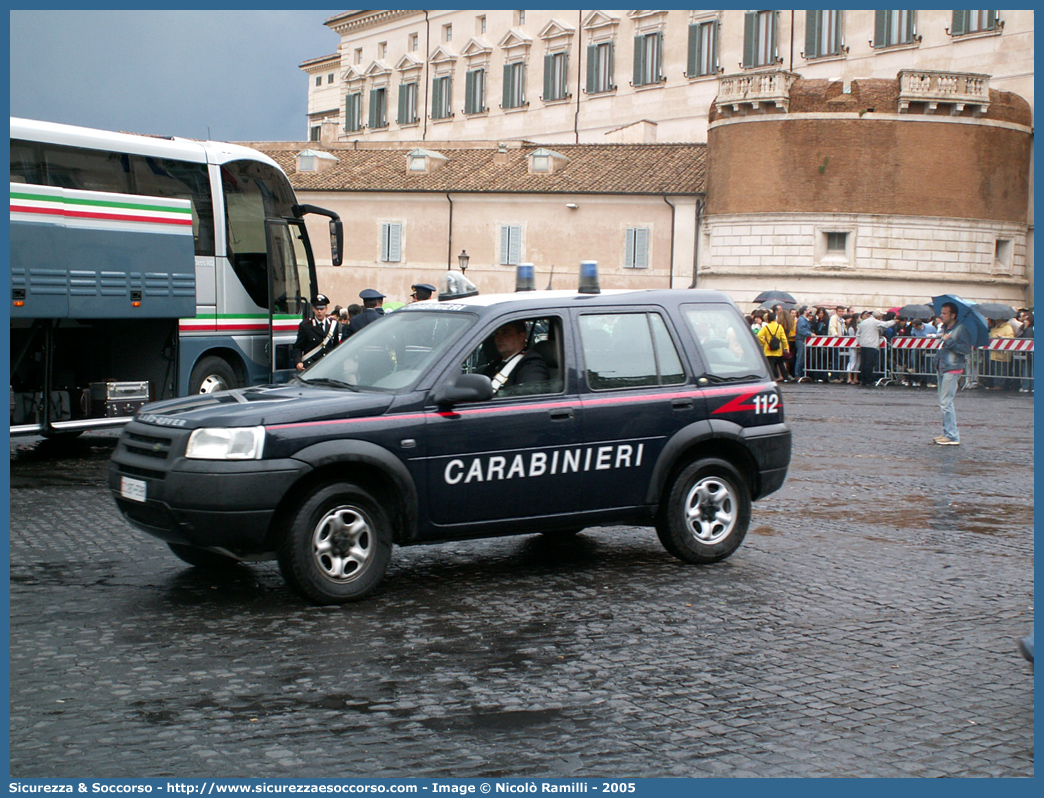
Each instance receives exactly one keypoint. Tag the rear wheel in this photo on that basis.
(212, 374)
(202, 558)
(706, 512)
(337, 546)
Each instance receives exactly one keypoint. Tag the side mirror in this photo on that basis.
(464, 388)
(336, 242)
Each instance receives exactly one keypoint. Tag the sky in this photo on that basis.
(221, 75)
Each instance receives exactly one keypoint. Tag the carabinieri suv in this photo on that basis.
(649, 408)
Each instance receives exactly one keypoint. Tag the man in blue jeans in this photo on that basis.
(801, 334)
(950, 363)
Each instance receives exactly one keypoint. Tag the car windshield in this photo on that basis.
(729, 350)
(390, 354)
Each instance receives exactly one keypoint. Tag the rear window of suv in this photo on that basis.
(628, 350)
(729, 349)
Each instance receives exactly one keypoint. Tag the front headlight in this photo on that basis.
(243, 443)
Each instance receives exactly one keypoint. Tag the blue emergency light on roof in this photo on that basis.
(589, 277)
(525, 277)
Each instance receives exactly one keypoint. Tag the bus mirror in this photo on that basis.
(336, 241)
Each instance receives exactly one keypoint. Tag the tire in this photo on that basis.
(706, 512)
(337, 545)
(201, 558)
(212, 374)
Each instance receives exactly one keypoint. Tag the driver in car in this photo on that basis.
(515, 366)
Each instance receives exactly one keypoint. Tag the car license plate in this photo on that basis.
(133, 489)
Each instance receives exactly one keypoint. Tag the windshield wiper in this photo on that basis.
(329, 381)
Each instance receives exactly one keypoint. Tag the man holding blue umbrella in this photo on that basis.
(959, 333)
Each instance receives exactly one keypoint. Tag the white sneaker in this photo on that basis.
(942, 440)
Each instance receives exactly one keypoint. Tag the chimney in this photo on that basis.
(500, 157)
(328, 131)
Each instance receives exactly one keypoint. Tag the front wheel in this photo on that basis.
(706, 512)
(337, 546)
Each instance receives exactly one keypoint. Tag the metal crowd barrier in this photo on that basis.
(829, 357)
(1004, 363)
(911, 361)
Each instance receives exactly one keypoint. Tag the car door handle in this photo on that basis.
(681, 404)
(562, 415)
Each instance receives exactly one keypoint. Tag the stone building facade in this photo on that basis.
(869, 157)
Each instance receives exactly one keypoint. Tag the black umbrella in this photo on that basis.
(764, 296)
(997, 311)
(915, 312)
(787, 304)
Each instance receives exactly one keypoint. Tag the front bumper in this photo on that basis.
(209, 503)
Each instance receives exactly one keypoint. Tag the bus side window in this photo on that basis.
(87, 170)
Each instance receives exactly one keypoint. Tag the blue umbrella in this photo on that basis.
(967, 316)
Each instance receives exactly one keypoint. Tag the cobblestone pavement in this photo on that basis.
(866, 627)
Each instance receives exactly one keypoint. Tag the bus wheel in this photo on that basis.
(212, 374)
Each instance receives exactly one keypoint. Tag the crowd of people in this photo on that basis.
(320, 334)
(783, 330)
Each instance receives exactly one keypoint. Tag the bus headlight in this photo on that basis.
(237, 443)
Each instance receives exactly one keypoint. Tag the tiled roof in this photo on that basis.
(591, 169)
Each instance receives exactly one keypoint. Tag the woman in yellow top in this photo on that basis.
(787, 318)
(771, 331)
(1000, 371)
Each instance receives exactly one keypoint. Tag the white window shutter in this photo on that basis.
(641, 248)
(515, 254)
(394, 242)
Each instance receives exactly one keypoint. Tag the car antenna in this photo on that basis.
(550, 277)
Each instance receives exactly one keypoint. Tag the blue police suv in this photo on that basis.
(540, 411)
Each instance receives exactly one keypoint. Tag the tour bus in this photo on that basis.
(146, 268)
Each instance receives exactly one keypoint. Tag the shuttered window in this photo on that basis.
(703, 49)
(514, 85)
(378, 108)
(441, 107)
(353, 112)
(407, 103)
(973, 22)
(648, 52)
(391, 242)
(475, 91)
(556, 76)
(893, 27)
(600, 67)
(822, 33)
(636, 248)
(759, 38)
(510, 244)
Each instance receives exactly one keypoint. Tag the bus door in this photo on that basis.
(289, 278)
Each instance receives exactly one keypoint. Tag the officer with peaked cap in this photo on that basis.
(422, 291)
(372, 310)
(316, 336)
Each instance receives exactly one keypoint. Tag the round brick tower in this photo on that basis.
(873, 192)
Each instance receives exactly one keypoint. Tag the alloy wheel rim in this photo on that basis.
(342, 543)
(710, 510)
